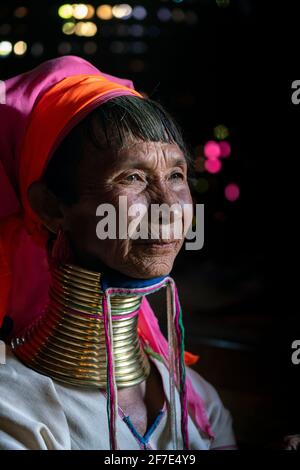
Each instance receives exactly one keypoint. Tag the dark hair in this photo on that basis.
(116, 122)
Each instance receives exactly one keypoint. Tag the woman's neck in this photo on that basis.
(67, 342)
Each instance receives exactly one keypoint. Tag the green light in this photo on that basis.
(221, 132)
(65, 11)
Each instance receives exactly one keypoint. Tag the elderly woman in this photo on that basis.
(87, 366)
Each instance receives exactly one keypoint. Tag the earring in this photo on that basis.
(61, 252)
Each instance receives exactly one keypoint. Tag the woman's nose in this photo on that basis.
(170, 209)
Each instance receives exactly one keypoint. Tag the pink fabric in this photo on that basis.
(151, 334)
(30, 273)
(29, 265)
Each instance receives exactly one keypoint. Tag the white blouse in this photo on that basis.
(38, 413)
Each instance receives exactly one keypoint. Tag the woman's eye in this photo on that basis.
(176, 176)
(134, 177)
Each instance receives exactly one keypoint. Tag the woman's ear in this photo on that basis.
(46, 205)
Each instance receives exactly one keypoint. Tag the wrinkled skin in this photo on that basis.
(145, 172)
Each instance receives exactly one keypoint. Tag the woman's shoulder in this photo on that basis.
(14, 373)
(29, 408)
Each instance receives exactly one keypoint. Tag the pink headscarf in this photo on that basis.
(24, 275)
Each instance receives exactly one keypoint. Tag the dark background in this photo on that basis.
(213, 67)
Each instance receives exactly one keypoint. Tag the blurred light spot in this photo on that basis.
(118, 47)
(191, 17)
(91, 12)
(164, 14)
(122, 11)
(178, 15)
(153, 31)
(104, 12)
(65, 11)
(201, 185)
(139, 12)
(137, 65)
(199, 164)
(139, 47)
(220, 216)
(5, 48)
(212, 150)
(223, 3)
(122, 30)
(37, 49)
(20, 12)
(213, 166)
(64, 48)
(90, 47)
(20, 48)
(80, 11)
(198, 151)
(225, 149)
(221, 132)
(69, 27)
(232, 192)
(136, 30)
(85, 28)
(5, 28)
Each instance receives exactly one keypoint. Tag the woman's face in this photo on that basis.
(145, 173)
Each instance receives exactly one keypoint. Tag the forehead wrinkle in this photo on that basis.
(159, 150)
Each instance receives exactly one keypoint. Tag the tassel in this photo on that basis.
(111, 387)
(182, 372)
(171, 352)
(177, 344)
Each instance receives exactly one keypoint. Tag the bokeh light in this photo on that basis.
(80, 11)
(5, 48)
(221, 132)
(86, 28)
(37, 49)
(65, 11)
(213, 166)
(153, 31)
(202, 185)
(90, 47)
(225, 149)
(223, 3)
(91, 12)
(122, 11)
(21, 12)
(138, 47)
(20, 48)
(136, 30)
(104, 12)
(232, 192)
(191, 17)
(118, 47)
(199, 164)
(164, 14)
(139, 12)
(212, 150)
(64, 47)
(68, 27)
(178, 15)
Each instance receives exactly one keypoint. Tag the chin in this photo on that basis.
(141, 272)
